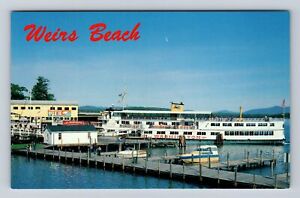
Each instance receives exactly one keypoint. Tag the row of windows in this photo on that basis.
(242, 124)
(23, 108)
(60, 108)
(51, 108)
(176, 132)
(251, 133)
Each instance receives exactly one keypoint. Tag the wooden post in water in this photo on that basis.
(79, 157)
(209, 163)
(183, 174)
(158, 166)
(260, 157)
(254, 185)
(218, 175)
(65, 156)
(104, 162)
(171, 169)
(72, 156)
(235, 176)
(248, 159)
(272, 168)
(227, 160)
(192, 158)
(287, 166)
(123, 167)
(146, 165)
(59, 154)
(44, 153)
(112, 163)
(53, 153)
(88, 157)
(200, 172)
(273, 157)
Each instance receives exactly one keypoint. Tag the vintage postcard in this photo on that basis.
(150, 99)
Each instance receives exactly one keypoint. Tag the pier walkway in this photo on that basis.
(200, 174)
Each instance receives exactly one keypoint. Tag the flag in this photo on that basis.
(283, 103)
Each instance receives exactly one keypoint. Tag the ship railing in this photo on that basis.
(170, 127)
(243, 120)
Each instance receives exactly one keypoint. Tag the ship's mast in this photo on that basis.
(283, 109)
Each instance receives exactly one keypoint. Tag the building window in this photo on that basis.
(22, 108)
(59, 136)
(262, 124)
(30, 108)
(214, 133)
(215, 124)
(173, 132)
(67, 108)
(59, 108)
(161, 132)
(201, 133)
(15, 108)
(227, 124)
(74, 108)
(238, 124)
(52, 108)
(272, 124)
(187, 133)
(37, 107)
(250, 124)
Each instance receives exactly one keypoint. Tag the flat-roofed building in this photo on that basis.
(41, 111)
(68, 135)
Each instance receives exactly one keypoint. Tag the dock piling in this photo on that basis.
(146, 165)
(254, 186)
(79, 157)
(183, 174)
(248, 153)
(260, 157)
(123, 166)
(200, 172)
(65, 156)
(209, 162)
(272, 168)
(72, 156)
(104, 162)
(218, 175)
(235, 176)
(53, 153)
(227, 160)
(59, 154)
(44, 153)
(158, 167)
(171, 169)
(275, 181)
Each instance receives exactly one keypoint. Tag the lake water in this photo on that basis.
(39, 174)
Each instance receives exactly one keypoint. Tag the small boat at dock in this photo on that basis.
(201, 155)
(131, 153)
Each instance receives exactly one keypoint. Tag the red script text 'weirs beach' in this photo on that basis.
(98, 32)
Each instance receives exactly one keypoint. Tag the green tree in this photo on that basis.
(40, 90)
(17, 92)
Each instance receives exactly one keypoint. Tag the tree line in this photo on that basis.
(40, 91)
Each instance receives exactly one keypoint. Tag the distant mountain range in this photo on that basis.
(101, 108)
(274, 110)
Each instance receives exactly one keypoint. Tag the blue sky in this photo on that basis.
(208, 60)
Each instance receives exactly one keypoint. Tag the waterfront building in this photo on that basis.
(68, 135)
(38, 111)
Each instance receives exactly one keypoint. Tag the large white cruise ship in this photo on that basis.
(193, 125)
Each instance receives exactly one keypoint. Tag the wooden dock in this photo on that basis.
(198, 174)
